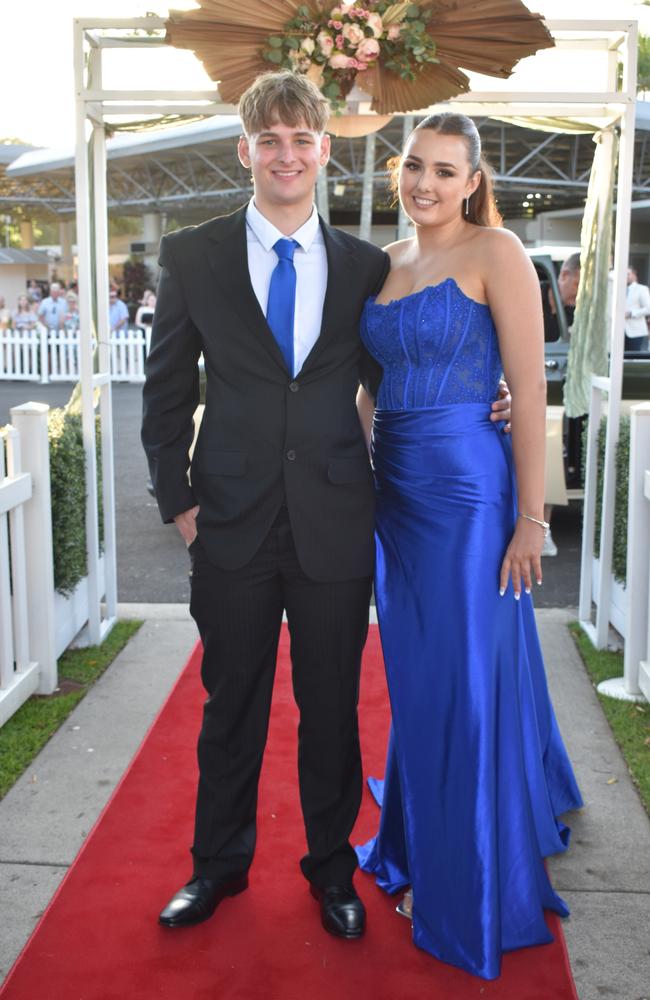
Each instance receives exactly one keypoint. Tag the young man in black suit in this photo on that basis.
(278, 509)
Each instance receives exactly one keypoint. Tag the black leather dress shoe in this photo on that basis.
(198, 900)
(342, 912)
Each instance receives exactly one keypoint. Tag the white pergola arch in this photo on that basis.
(615, 40)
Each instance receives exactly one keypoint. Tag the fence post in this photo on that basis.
(644, 665)
(43, 334)
(638, 547)
(30, 420)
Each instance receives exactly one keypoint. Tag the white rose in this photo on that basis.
(325, 43)
(353, 34)
(308, 45)
(368, 50)
(375, 22)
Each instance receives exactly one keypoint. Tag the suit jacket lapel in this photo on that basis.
(228, 259)
(339, 268)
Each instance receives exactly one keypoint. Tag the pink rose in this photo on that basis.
(337, 25)
(375, 22)
(368, 50)
(394, 32)
(340, 61)
(353, 34)
(325, 43)
(340, 41)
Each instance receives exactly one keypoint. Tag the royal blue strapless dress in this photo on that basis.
(477, 773)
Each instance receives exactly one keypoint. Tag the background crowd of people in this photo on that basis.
(56, 307)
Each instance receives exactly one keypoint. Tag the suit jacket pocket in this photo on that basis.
(220, 463)
(349, 470)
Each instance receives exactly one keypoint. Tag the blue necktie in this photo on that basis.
(282, 299)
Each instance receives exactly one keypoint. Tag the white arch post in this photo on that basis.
(93, 104)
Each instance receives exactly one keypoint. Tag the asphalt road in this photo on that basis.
(152, 565)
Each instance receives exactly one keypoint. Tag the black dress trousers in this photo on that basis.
(239, 615)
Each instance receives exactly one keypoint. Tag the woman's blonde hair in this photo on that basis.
(284, 97)
(482, 206)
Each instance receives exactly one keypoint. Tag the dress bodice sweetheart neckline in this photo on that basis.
(427, 288)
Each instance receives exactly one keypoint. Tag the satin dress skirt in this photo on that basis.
(477, 773)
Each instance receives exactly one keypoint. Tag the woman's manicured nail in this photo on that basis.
(528, 590)
(501, 591)
(517, 595)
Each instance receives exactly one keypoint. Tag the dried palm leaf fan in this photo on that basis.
(484, 36)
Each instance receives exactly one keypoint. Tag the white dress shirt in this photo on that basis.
(637, 302)
(310, 261)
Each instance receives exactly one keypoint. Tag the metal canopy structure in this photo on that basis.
(192, 170)
(613, 43)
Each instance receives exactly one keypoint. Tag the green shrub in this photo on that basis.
(619, 555)
(68, 493)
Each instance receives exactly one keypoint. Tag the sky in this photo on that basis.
(37, 55)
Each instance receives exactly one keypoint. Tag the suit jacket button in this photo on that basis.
(293, 387)
(291, 455)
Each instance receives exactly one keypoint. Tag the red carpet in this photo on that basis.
(99, 939)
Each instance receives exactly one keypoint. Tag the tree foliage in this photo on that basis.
(643, 70)
(136, 277)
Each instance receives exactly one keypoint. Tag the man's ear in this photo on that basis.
(325, 149)
(243, 151)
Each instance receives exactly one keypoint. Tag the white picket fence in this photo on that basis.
(629, 603)
(44, 356)
(27, 655)
(637, 639)
(36, 623)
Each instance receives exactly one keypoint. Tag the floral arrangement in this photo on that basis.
(404, 55)
(331, 49)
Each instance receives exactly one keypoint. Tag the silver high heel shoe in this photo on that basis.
(405, 908)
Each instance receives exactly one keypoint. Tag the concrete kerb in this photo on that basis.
(605, 876)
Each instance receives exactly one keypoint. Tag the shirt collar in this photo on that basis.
(268, 234)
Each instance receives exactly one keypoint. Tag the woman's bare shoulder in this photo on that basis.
(398, 250)
(500, 247)
(499, 237)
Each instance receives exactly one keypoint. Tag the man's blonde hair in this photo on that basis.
(286, 97)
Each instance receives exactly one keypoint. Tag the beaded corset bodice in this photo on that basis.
(436, 346)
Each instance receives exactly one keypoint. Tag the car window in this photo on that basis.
(555, 320)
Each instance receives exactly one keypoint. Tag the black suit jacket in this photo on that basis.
(265, 438)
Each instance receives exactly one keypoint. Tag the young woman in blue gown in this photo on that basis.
(477, 773)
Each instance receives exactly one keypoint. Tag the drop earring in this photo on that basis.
(467, 205)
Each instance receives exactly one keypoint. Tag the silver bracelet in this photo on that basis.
(543, 524)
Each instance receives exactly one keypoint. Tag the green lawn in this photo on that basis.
(630, 723)
(38, 719)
